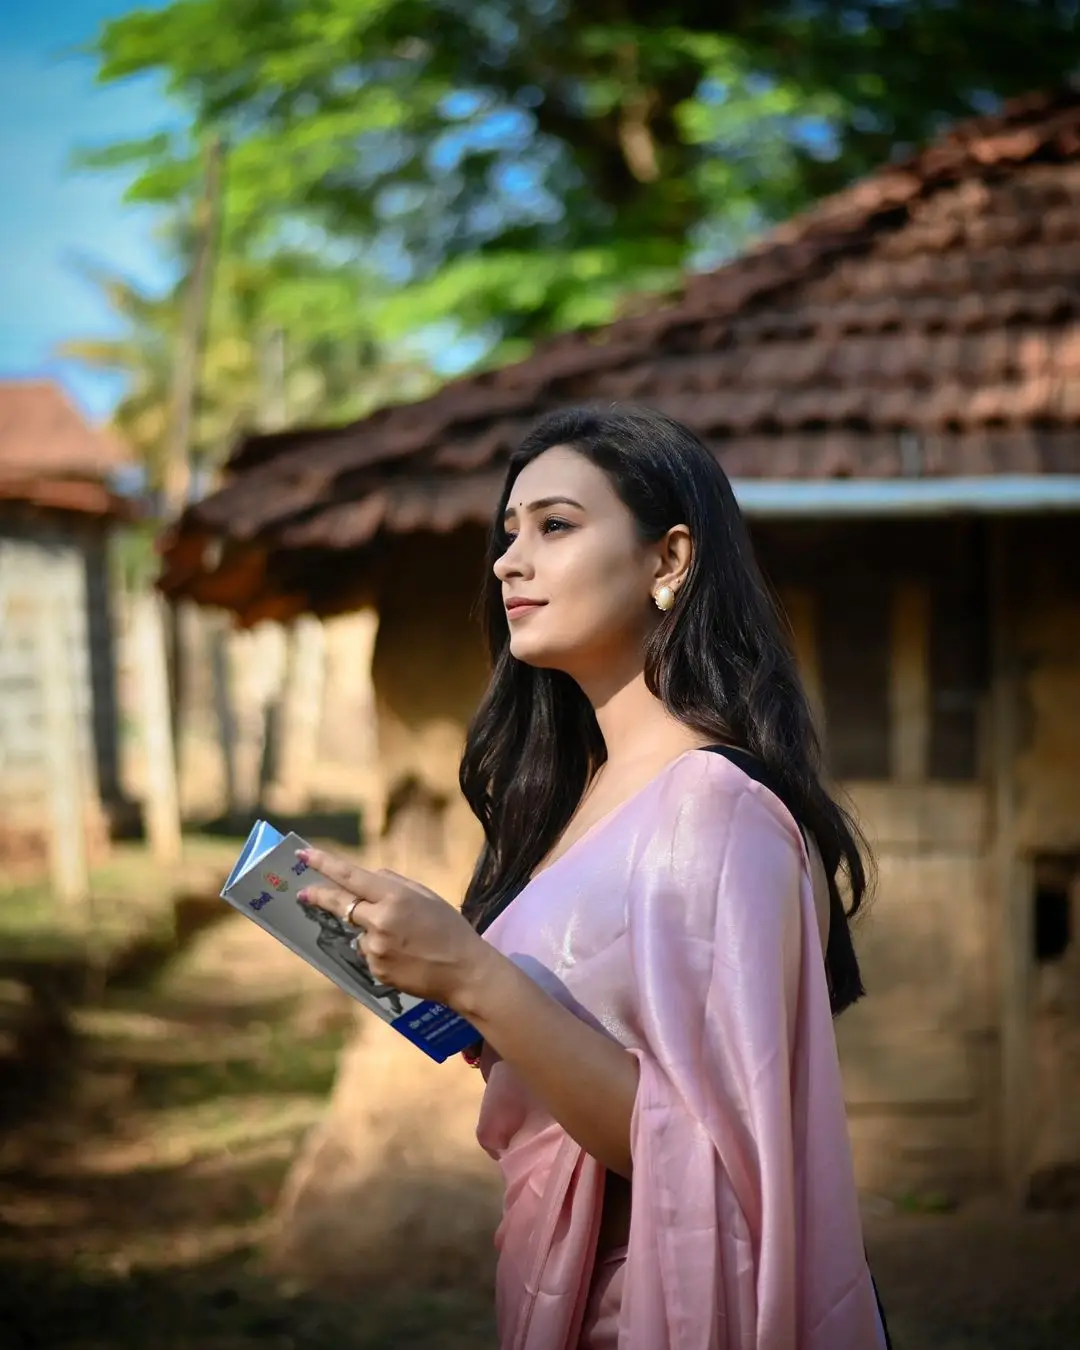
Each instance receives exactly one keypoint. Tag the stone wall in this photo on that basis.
(54, 569)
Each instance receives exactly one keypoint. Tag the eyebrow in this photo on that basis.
(542, 504)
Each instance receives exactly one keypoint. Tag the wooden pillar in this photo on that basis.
(225, 713)
(1013, 874)
(909, 684)
(161, 805)
(800, 605)
(299, 714)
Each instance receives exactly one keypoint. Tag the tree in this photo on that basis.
(287, 341)
(517, 166)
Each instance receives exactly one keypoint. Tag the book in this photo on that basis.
(264, 884)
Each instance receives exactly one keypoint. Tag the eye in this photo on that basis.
(555, 525)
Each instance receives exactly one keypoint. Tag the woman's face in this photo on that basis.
(577, 582)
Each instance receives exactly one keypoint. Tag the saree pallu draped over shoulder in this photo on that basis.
(683, 926)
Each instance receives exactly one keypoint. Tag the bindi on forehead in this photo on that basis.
(558, 477)
(543, 504)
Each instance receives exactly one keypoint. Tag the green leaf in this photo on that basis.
(507, 168)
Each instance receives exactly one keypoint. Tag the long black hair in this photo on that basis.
(719, 661)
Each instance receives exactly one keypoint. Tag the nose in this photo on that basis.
(512, 563)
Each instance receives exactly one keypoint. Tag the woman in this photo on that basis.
(663, 937)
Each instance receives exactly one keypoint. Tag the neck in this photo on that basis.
(634, 723)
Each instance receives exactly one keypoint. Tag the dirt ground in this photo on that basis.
(154, 1097)
(979, 1279)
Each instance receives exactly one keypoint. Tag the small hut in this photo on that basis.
(58, 697)
(892, 381)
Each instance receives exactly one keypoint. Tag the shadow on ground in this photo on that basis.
(337, 827)
(41, 990)
(222, 1305)
(153, 1099)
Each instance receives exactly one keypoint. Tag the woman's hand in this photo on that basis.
(412, 938)
(418, 943)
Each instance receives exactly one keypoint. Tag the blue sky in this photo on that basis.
(53, 217)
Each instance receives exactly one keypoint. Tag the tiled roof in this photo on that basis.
(925, 320)
(50, 456)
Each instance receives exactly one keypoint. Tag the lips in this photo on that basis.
(518, 604)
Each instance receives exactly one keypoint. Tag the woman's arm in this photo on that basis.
(418, 943)
(585, 1079)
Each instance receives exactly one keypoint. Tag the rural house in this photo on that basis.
(57, 651)
(892, 381)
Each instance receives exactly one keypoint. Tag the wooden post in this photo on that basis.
(256, 659)
(1013, 876)
(162, 808)
(226, 714)
(909, 684)
(300, 714)
(64, 753)
(800, 605)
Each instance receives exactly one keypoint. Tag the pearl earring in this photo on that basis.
(664, 598)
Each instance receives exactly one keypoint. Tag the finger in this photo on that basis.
(389, 874)
(342, 904)
(358, 880)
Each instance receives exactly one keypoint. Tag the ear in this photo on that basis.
(675, 552)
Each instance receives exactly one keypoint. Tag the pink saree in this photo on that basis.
(683, 925)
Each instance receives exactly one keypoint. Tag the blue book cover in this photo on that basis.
(264, 884)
